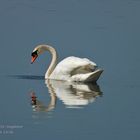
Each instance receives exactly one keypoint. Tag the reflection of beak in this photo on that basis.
(33, 58)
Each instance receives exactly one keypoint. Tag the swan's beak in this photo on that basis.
(33, 58)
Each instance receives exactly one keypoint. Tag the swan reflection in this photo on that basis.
(39, 106)
(73, 95)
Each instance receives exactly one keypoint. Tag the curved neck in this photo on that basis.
(53, 61)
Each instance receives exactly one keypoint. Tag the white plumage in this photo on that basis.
(71, 68)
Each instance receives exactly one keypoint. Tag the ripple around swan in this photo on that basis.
(29, 77)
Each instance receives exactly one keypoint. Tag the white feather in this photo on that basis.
(71, 68)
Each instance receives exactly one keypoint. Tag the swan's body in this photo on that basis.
(69, 69)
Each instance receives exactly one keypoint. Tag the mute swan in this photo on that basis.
(70, 69)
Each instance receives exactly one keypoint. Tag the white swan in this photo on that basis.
(70, 69)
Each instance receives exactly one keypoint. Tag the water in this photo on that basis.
(106, 32)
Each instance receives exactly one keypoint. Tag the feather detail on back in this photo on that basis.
(71, 66)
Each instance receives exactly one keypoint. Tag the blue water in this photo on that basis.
(106, 32)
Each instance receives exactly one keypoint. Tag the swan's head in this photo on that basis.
(36, 52)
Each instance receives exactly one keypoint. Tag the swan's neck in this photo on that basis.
(53, 61)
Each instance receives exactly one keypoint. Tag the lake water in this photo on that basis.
(106, 32)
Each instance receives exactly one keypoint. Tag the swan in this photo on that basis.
(69, 69)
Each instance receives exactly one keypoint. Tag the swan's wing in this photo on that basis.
(77, 62)
(71, 66)
(72, 63)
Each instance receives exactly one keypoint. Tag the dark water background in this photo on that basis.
(105, 31)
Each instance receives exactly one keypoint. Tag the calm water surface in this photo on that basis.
(106, 32)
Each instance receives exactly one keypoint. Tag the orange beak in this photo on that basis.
(33, 58)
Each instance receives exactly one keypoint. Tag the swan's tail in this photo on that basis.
(88, 77)
(94, 76)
